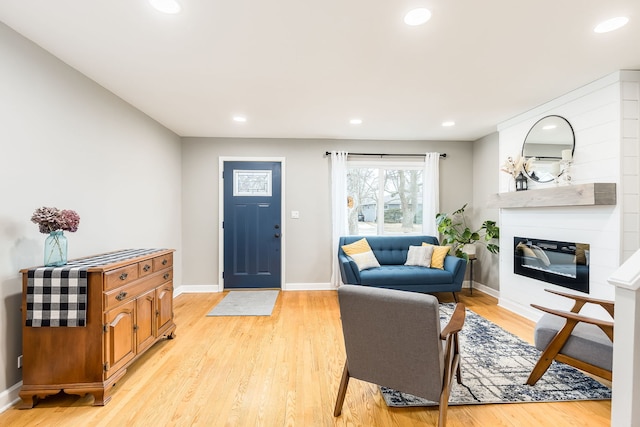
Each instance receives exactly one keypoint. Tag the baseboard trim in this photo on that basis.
(9, 397)
(519, 309)
(196, 289)
(208, 289)
(487, 290)
(308, 287)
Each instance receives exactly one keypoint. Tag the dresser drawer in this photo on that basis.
(145, 268)
(133, 290)
(121, 276)
(162, 262)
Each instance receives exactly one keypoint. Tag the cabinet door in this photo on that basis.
(120, 345)
(145, 326)
(164, 303)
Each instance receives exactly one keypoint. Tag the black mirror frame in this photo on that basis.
(573, 145)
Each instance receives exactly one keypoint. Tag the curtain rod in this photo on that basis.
(383, 154)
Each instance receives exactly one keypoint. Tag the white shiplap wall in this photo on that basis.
(604, 115)
(630, 93)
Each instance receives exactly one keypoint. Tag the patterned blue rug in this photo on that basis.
(495, 366)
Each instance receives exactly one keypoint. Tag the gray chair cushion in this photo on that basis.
(587, 342)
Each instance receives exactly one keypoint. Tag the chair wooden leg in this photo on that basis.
(551, 352)
(457, 353)
(451, 368)
(444, 405)
(446, 389)
(342, 390)
(455, 296)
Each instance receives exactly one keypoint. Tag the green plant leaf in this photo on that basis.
(455, 232)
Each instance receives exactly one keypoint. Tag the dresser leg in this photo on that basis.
(28, 400)
(30, 397)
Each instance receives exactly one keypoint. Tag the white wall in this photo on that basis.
(307, 190)
(594, 111)
(69, 143)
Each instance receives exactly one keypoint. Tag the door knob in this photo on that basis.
(277, 226)
(277, 235)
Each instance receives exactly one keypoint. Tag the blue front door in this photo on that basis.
(252, 225)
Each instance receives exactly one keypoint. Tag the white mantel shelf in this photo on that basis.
(593, 194)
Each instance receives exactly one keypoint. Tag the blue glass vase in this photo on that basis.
(55, 249)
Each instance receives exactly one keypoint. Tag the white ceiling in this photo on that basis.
(302, 68)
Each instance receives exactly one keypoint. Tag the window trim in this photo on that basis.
(385, 164)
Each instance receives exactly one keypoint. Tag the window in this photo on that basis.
(384, 198)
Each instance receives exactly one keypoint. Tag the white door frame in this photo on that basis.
(283, 232)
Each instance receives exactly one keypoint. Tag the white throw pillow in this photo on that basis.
(419, 255)
(365, 260)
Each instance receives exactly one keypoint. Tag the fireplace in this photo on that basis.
(561, 263)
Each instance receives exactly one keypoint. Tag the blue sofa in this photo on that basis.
(391, 252)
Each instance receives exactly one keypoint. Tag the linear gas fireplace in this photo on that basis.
(561, 263)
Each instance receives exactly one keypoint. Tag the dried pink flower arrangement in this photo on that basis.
(52, 219)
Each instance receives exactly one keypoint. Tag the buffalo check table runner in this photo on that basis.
(57, 296)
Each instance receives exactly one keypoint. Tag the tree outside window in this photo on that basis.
(386, 200)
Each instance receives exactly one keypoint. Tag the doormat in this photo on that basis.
(246, 303)
(495, 366)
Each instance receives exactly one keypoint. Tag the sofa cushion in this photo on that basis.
(404, 275)
(365, 260)
(419, 256)
(587, 342)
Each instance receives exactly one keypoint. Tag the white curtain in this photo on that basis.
(430, 194)
(339, 215)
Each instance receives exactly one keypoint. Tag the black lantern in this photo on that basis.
(521, 182)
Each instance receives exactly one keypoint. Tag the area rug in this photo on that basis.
(495, 366)
(246, 303)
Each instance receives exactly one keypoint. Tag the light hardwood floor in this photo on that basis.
(282, 370)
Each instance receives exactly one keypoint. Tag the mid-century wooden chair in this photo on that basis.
(572, 338)
(393, 338)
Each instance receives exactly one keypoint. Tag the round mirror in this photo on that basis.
(550, 140)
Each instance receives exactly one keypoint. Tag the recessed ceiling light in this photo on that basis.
(355, 121)
(417, 16)
(166, 6)
(239, 119)
(611, 24)
(448, 123)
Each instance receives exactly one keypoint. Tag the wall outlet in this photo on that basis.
(295, 214)
(19, 361)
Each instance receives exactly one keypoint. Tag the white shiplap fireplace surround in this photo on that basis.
(605, 118)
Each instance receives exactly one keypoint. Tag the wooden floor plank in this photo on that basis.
(281, 370)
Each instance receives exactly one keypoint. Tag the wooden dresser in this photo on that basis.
(129, 307)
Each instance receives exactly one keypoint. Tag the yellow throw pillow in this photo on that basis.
(439, 254)
(359, 247)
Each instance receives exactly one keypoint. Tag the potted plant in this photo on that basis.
(455, 231)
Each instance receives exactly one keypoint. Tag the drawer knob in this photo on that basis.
(124, 276)
(122, 295)
(146, 267)
(166, 276)
(164, 262)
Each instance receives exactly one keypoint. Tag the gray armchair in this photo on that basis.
(393, 339)
(575, 339)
